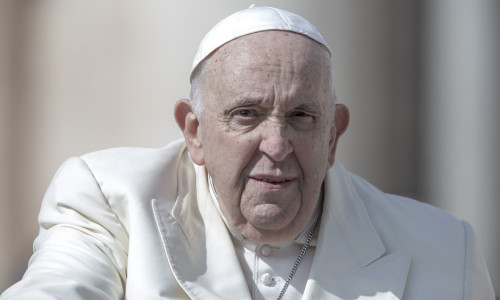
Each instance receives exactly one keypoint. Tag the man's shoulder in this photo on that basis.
(134, 157)
(400, 208)
(404, 222)
(144, 172)
(412, 216)
(443, 249)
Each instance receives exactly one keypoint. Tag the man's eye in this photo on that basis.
(245, 113)
(301, 118)
(245, 116)
(300, 114)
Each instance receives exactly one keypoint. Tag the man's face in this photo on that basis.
(267, 134)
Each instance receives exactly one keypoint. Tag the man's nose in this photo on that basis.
(275, 142)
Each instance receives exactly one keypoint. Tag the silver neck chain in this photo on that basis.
(301, 255)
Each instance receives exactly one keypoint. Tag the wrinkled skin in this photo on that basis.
(267, 136)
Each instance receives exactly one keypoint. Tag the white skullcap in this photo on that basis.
(251, 20)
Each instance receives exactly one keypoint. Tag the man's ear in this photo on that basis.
(190, 126)
(338, 128)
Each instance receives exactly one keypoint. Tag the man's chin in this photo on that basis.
(271, 216)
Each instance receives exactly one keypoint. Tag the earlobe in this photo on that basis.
(338, 128)
(189, 125)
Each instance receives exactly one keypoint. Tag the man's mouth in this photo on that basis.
(273, 181)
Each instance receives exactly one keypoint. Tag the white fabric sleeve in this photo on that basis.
(81, 249)
(477, 283)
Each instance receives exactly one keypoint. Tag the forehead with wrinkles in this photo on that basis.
(250, 61)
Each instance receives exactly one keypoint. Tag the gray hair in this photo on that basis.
(199, 78)
(197, 83)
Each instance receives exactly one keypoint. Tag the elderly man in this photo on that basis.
(251, 204)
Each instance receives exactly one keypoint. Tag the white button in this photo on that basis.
(266, 279)
(265, 250)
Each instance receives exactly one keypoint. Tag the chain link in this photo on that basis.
(301, 255)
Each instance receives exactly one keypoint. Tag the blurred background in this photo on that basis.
(421, 79)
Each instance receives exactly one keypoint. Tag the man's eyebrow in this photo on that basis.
(245, 102)
(309, 107)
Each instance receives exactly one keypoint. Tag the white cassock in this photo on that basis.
(141, 224)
